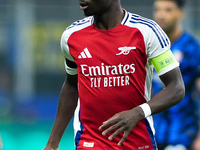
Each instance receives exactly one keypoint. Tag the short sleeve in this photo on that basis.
(158, 50)
(157, 41)
(70, 65)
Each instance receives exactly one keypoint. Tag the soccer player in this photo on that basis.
(179, 124)
(110, 56)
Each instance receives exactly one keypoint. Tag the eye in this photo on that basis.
(168, 9)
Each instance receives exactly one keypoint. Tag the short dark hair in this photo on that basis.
(180, 3)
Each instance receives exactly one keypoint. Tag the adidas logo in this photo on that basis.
(85, 54)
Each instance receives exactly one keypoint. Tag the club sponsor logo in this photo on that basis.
(108, 75)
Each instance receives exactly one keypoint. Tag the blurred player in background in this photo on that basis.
(110, 56)
(178, 126)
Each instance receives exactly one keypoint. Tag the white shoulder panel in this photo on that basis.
(76, 26)
(156, 41)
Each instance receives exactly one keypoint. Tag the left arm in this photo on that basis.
(125, 121)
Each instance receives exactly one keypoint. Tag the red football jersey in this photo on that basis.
(114, 74)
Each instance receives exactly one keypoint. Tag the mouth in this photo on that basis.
(83, 5)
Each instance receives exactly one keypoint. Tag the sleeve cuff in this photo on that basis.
(71, 71)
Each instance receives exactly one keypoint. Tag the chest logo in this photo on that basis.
(125, 50)
(85, 54)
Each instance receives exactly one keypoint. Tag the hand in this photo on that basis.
(122, 122)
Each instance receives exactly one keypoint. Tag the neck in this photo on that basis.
(109, 19)
(175, 34)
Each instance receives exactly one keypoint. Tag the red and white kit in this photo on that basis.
(114, 74)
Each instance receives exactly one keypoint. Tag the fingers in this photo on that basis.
(123, 138)
(121, 122)
(120, 128)
(108, 123)
(117, 132)
(112, 128)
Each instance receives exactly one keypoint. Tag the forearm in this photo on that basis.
(165, 99)
(65, 111)
(172, 94)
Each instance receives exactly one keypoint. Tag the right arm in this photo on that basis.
(66, 107)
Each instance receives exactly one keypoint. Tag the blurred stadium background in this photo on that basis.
(32, 70)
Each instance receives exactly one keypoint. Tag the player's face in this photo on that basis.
(94, 7)
(167, 14)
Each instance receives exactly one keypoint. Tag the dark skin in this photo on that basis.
(125, 121)
(108, 14)
(66, 107)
